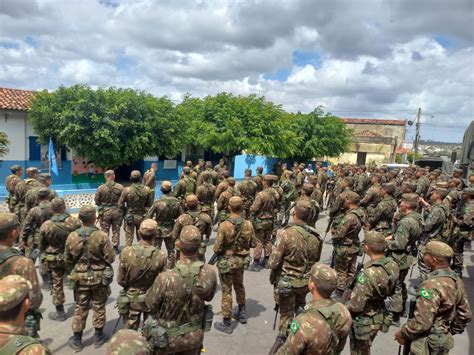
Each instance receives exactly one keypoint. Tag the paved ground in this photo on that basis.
(254, 338)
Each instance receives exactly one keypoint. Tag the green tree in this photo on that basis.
(110, 127)
(4, 142)
(321, 134)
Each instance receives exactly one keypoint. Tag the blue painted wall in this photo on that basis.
(64, 173)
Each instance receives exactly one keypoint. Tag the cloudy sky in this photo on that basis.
(374, 58)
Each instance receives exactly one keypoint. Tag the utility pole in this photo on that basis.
(417, 135)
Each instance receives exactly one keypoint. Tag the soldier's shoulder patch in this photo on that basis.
(294, 326)
(425, 293)
(361, 278)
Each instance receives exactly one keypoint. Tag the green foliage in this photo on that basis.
(410, 157)
(111, 127)
(4, 142)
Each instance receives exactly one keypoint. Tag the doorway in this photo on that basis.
(361, 157)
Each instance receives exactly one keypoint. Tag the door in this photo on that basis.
(361, 156)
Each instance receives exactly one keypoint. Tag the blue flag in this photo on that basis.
(52, 158)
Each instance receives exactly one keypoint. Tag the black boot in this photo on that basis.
(59, 315)
(75, 342)
(225, 326)
(279, 341)
(117, 250)
(264, 263)
(47, 282)
(255, 265)
(396, 319)
(99, 338)
(240, 315)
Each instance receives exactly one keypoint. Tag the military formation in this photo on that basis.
(394, 220)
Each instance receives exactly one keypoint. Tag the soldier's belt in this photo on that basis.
(184, 328)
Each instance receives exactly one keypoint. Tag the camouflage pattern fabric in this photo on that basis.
(128, 342)
(262, 208)
(422, 185)
(110, 216)
(223, 202)
(21, 189)
(248, 190)
(205, 194)
(185, 186)
(258, 180)
(10, 183)
(31, 229)
(32, 199)
(10, 333)
(382, 216)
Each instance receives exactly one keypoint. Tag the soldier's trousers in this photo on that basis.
(263, 240)
(396, 303)
(345, 266)
(289, 304)
(424, 270)
(96, 296)
(169, 244)
(131, 229)
(234, 278)
(111, 219)
(132, 320)
(57, 275)
(362, 347)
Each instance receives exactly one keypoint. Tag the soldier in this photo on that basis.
(13, 263)
(248, 190)
(300, 177)
(134, 202)
(52, 241)
(139, 266)
(422, 182)
(223, 185)
(373, 196)
(297, 248)
(306, 193)
(21, 189)
(372, 286)
(336, 211)
(454, 194)
(262, 209)
(193, 216)
(400, 246)
(442, 307)
(128, 342)
(322, 178)
(149, 178)
(199, 168)
(322, 328)
(382, 216)
(345, 238)
(289, 195)
(14, 305)
(232, 248)
(110, 215)
(185, 186)
(10, 183)
(214, 175)
(362, 181)
(177, 300)
(31, 199)
(220, 167)
(258, 178)
(88, 256)
(222, 204)
(205, 194)
(165, 211)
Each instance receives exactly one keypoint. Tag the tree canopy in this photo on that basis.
(4, 142)
(114, 127)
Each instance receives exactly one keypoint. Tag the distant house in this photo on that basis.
(374, 140)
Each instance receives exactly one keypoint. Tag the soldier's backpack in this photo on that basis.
(6, 254)
(18, 343)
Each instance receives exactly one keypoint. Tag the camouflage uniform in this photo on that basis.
(13, 338)
(89, 254)
(422, 185)
(371, 199)
(288, 196)
(32, 198)
(314, 206)
(322, 180)
(110, 216)
(258, 180)
(149, 180)
(135, 201)
(139, 265)
(176, 300)
(298, 247)
(10, 183)
(33, 221)
(336, 211)
(185, 186)
(128, 342)
(206, 194)
(222, 204)
(382, 216)
(221, 187)
(21, 190)
(248, 190)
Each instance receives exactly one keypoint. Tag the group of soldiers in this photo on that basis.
(409, 217)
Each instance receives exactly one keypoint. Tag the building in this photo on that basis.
(374, 141)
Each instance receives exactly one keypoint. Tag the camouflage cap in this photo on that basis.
(411, 198)
(259, 168)
(374, 238)
(148, 227)
(236, 202)
(469, 191)
(126, 342)
(15, 168)
(58, 204)
(43, 192)
(313, 179)
(8, 220)
(352, 197)
(411, 186)
(322, 274)
(13, 290)
(191, 200)
(109, 173)
(456, 181)
(231, 181)
(442, 185)
(436, 248)
(87, 211)
(186, 170)
(44, 176)
(441, 192)
(166, 185)
(32, 171)
(190, 235)
(390, 188)
(135, 174)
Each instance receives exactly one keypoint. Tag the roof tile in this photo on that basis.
(15, 99)
(374, 121)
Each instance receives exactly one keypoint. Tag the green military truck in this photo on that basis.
(466, 159)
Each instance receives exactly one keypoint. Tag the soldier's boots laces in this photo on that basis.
(255, 265)
(59, 315)
(225, 326)
(279, 341)
(99, 338)
(75, 342)
(241, 315)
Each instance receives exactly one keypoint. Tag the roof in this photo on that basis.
(15, 99)
(374, 121)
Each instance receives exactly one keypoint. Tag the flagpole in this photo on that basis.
(49, 157)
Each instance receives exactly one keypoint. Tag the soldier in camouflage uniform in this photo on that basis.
(372, 286)
(336, 211)
(373, 196)
(297, 248)
(345, 238)
(262, 210)
(210, 171)
(185, 186)
(88, 256)
(223, 184)
(10, 183)
(199, 168)
(205, 193)
(248, 190)
(442, 307)
(289, 195)
(149, 178)
(14, 304)
(110, 215)
(177, 300)
(232, 247)
(13, 263)
(165, 211)
(362, 181)
(258, 178)
(222, 203)
(134, 202)
(322, 328)
(195, 217)
(52, 241)
(382, 216)
(422, 182)
(128, 342)
(401, 246)
(299, 177)
(322, 178)
(21, 189)
(139, 266)
(306, 193)
(32, 199)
